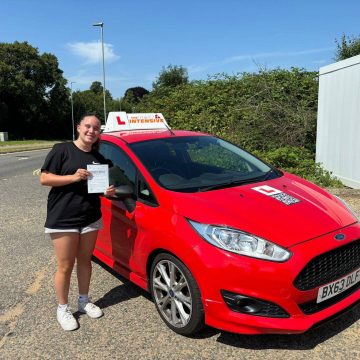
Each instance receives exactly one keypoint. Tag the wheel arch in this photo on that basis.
(150, 260)
(196, 320)
(153, 255)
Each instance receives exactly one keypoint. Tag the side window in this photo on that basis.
(123, 171)
(145, 194)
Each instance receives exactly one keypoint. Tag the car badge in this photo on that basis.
(339, 237)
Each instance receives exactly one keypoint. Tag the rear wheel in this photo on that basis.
(176, 295)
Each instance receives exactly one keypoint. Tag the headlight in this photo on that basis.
(348, 207)
(240, 242)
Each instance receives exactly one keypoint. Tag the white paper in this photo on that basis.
(98, 181)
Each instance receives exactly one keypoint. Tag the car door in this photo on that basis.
(116, 240)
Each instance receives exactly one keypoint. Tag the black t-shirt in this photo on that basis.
(71, 206)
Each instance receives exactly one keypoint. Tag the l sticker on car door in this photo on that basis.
(276, 194)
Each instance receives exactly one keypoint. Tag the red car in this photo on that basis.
(221, 238)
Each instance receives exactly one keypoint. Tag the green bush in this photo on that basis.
(258, 111)
(301, 162)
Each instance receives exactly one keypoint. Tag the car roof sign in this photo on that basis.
(120, 120)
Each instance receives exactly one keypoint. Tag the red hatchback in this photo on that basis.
(221, 238)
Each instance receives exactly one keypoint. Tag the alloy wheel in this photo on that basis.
(172, 293)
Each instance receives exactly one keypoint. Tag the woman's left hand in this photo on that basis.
(110, 191)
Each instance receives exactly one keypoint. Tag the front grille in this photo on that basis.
(330, 266)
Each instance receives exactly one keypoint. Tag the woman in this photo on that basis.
(73, 215)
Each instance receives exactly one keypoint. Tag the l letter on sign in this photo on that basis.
(266, 190)
(119, 121)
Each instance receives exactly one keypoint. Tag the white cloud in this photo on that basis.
(84, 78)
(193, 69)
(92, 52)
(274, 54)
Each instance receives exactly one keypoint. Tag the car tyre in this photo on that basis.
(176, 295)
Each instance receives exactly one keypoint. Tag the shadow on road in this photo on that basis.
(305, 341)
(120, 293)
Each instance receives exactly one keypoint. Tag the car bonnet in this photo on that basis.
(287, 210)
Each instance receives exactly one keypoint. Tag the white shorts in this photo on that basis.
(97, 225)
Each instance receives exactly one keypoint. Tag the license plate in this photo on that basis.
(336, 287)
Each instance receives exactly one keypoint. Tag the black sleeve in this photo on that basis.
(54, 160)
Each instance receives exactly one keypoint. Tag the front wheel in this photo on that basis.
(176, 295)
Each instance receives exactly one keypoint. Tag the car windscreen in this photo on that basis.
(200, 163)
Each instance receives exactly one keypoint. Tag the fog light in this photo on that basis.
(252, 306)
(247, 305)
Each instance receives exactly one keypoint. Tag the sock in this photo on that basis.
(63, 307)
(83, 297)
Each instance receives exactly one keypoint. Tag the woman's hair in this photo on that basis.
(84, 116)
(95, 146)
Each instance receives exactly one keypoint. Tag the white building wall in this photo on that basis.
(338, 123)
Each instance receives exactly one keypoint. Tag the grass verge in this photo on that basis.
(24, 145)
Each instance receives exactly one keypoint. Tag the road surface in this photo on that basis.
(131, 327)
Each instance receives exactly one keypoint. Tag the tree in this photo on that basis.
(347, 47)
(34, 100)
(96, 87)
(171, 76)
(132, 97)
(92, 101)
(88, 102)
(135, 94)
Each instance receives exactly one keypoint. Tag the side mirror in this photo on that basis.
(125, 193)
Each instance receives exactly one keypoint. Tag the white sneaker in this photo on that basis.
(66, 319)
(90, 309)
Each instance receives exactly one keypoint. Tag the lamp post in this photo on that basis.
(72, 110)
(101, 24)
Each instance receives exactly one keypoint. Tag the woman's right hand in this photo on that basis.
(81, 174)
(49, 179)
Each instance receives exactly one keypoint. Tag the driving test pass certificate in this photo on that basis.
(98, 181)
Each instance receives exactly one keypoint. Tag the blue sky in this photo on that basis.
(207, 37)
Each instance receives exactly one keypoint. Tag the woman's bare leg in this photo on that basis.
(66, 248)
(83, 260)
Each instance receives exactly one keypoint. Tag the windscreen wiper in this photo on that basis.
(229, 184)
(270, 175)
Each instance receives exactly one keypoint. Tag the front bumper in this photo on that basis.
(272, 282)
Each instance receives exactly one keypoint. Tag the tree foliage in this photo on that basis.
(260, 111)
(300, 161)
(34, 100)
(97, 88)
(171, 76)
(132, 97)
(347, 47)
(92, 102)
(135, 94)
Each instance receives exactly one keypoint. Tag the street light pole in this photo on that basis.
(101, 24)
(72, 111)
